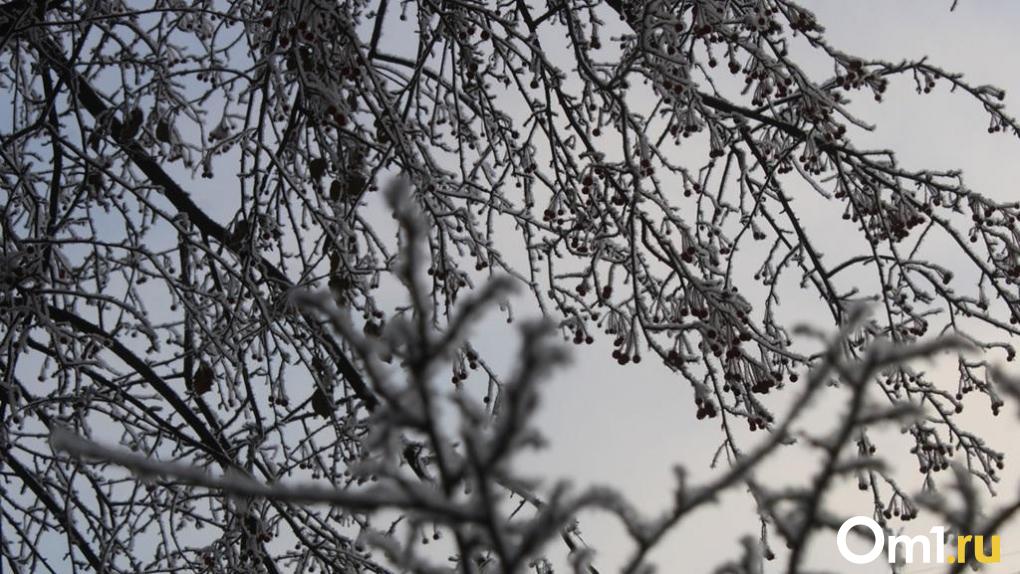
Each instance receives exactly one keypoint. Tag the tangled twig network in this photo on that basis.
(204, 299)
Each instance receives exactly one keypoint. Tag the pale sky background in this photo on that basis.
(626, 427)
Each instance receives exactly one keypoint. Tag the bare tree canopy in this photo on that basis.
(205, 299)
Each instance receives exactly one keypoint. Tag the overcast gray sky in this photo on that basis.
(627, 427)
